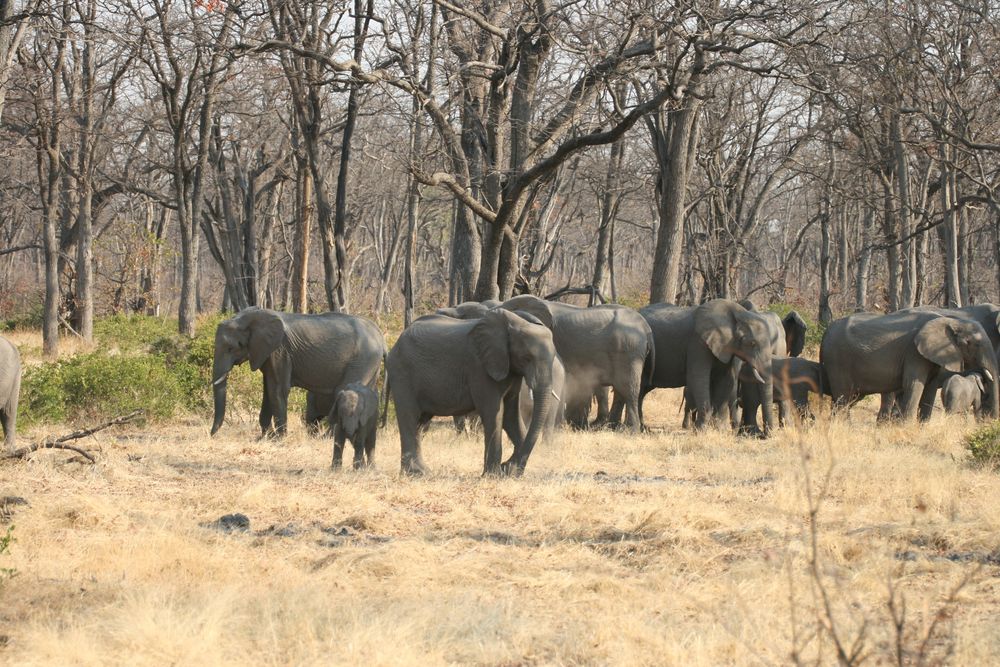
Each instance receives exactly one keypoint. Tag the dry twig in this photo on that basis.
(59, 443)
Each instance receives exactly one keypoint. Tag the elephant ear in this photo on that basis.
(489, 337)
(936, 342)
(533, 305)
(748, 304)
(795, 333)
(266, 333)
(716, 326)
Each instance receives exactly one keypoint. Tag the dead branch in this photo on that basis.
(59, 443)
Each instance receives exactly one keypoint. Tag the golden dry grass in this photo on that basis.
(666, 548)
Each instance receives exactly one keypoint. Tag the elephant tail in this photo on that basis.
(385, 401)
(649, 365)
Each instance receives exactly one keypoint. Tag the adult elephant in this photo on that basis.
(866, 353)
(442, 366)
(10, 390)
(787, 338)
(607, 345)
(700, 348)
(320, 353)
(987, 315)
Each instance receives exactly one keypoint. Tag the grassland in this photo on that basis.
(665, 548)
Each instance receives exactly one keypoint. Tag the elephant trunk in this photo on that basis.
(220, 373)
(540, 407)
(988, 363)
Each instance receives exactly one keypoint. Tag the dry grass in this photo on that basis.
(668, 548)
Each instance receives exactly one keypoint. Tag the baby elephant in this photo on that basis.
(961, 391)
(354, 416)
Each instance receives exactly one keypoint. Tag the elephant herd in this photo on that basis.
(527, 365)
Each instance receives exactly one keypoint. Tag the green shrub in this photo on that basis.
(130, 333)
(984, 446)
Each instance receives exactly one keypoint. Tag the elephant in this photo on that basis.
(794, 379)
(10, 390)
(905, 351)
(962, 391)
(354, 416)
(988, 316)
(602, 345)
(442, 366)
(700, 348)
(788, 338)
(320, 353)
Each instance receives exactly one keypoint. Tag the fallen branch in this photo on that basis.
(59, 443)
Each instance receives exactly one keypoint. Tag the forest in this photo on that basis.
(177, 158)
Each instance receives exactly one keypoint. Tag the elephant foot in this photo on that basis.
(511, 468)
(751, 431)
(413, 467)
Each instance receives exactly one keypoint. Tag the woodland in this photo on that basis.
(181, 157)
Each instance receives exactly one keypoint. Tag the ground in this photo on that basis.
(664, 548)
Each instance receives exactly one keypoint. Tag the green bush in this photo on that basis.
(984, 446)
(130, 333)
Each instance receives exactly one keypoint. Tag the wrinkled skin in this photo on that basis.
(961, 392)
(905, 351)
(699, 348)
(320, 353)
(10, 389)
(441, 366)
(557, 415)
(469, 310)
(794, 379)
(787, 339)
(606, 345)
(354, 417)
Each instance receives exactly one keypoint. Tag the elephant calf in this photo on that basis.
(961, 391)
(794, 379)
(354, 417)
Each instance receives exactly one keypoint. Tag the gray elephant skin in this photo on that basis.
(988, 317)
(866, 353)
(10, 390)
(607, 345)
(699, 348)
(354, 417)
(787, 339)
(441, 366)
(961, 392)
(794, 379)
(320, 353)
(469, 310)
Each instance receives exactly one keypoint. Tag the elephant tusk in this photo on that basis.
(220, 380)
(555, 395)
(989, 376)
(757, 376)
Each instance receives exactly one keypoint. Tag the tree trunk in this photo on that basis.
(300, 271)
(674, 162)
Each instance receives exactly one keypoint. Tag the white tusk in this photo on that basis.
(756, 375)
(989, 376)
(220, 380)
(556, 395)
(531, 394)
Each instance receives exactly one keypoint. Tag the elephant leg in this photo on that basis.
(513, 424)
(630, 389)
(8, 429)
(264, 419)
(358, 443)
(577, 413)
(602, 397)
(370, 447)
(750, 397)
(887, 407)
(699, 388)
(278, 386)
(927, 398)
(912, 392)
(490, 413)
(408, 419)
(617, 409)
(767, 406)
(338, 447)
